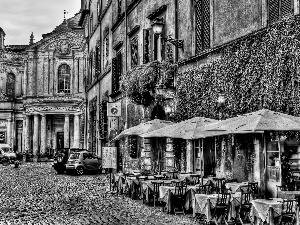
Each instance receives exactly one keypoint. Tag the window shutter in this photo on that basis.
(273, 11)
(206, 23)
(146, 45)
(286, 8)
(151, 33)
(198, 26)
(120, 69)
(114, 74)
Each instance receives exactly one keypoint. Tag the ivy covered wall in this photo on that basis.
(260, 71)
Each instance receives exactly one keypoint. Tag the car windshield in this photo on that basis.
(7, 150)
(74, 156)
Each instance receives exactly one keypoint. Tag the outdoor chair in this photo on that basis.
(178, 199)
(281, 188)
(168, 176)
(288, 215)
(196, 178)
(254, 189)
(221, 210)
(218, 183)
(204, 189)
(244, 188)
(245, 208)
(155, 192)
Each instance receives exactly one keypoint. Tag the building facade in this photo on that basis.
(42, 89)
(194, 33)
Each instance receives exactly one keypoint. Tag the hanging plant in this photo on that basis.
(140, 82)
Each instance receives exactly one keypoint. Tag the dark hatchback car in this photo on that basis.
(61, 158)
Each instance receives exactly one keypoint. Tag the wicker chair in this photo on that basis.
(220, 212)
(245, 208)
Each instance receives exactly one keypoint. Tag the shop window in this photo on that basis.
(64, 77)
(116, 72)
(134, 51)
(277, 9)
(10, 85)
(202, 25)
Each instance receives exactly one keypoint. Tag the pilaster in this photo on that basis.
(9, 132)
(189, 156)
(170, 158)
(35, 135)
(43, 134)
(66, 131)
(76, 131)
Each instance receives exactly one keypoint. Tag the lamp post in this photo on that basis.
(221, 103)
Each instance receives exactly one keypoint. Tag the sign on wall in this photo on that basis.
(109, 157)
(114, 109)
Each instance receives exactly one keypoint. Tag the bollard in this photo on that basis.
(17, 163)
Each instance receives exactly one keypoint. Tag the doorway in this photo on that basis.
(60, 140)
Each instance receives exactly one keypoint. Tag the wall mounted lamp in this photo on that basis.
(157, 26)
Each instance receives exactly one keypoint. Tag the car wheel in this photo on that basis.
(79, 170)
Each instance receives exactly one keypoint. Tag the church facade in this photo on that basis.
(42, 91)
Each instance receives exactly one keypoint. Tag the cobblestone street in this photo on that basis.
(35, 194)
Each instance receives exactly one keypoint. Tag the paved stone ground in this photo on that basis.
(35, 194)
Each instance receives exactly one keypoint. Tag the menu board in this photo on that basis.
(109, 157)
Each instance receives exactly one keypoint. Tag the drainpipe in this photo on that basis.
(176, 27)
(126, 31)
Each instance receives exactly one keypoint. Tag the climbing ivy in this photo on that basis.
(261, 71)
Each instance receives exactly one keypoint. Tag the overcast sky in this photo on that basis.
(18, 18)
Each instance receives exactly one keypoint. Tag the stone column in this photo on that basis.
(35, 136)
(189, 156)
(170, 158)
(9, 135)
(146, 154)
(76, 131)
(43, 134)
(66, 131)
(26, 133)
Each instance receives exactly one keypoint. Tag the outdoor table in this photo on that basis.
(147, 186)
(184, 175)
(132, 185)
(234, 186)
(204, 204)
(266, 210)
(288, 194)
(166, 193)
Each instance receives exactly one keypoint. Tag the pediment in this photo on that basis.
(62, 42)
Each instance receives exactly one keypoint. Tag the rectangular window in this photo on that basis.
(202, 26)
(134, 51)
(146, 38)
(277, 9)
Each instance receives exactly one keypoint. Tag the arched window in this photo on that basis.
(10, 85)
(64, 78)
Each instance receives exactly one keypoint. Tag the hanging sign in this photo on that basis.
(109, 157)
(114, 109)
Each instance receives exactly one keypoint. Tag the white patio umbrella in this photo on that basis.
(144, 128)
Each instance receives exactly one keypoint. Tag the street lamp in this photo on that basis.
(157, 26)
(221, 102)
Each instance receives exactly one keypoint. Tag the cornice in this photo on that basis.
(157, 12)
(118, 22)
(132, 6)
(133, 30)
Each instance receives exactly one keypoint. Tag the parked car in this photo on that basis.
(61, 158)
(83, 161)
(6, 153)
